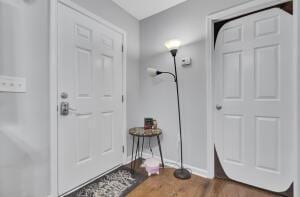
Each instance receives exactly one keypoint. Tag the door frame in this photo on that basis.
(53, 84)
(210, 78)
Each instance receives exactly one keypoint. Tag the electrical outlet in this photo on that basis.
(12, 84)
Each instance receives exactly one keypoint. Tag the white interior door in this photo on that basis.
(90, 74)
(255, 85)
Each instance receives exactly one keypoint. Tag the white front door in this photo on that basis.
(90, 67)
(255, 91)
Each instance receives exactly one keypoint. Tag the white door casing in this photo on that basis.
(90, 70)
(255, 86)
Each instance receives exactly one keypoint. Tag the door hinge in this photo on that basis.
(123, 98)
(123, 149)
(122, 48)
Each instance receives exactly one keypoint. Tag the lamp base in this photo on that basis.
(182, 174)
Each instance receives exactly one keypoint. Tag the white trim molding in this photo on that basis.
(53, 99)
(297, 64)
(244, 8)
(53, 73)
(175, 164)
(232, 12)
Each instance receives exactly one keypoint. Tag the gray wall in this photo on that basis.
(24, 120)
(24, 125)
(117, 16)
(158, 97)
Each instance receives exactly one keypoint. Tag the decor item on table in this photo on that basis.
(148, 123)
(154, 126)
(117, 183)
(173, 46)
(152, 166)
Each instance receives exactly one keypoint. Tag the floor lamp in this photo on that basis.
(173, 46)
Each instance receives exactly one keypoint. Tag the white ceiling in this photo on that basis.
(141, 9)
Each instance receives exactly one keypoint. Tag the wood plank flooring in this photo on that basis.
(166, 185)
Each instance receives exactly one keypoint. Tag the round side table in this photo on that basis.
(140, 132)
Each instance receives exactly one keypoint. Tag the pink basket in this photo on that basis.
(152, 166)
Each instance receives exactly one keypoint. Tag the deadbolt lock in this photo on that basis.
(64, 108)
(64, 95)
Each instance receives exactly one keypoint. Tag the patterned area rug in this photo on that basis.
(118, 183)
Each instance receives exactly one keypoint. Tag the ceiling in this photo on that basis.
(141, 9)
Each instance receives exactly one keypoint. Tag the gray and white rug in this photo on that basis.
(115, 184)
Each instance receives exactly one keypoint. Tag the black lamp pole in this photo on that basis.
(180, 173)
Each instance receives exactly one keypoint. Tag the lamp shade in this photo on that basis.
(152, 72)
(173, 44)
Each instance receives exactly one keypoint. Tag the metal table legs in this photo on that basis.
(132, 152)
(161, 157)
(137, 152)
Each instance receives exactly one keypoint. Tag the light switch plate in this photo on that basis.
(12, 84)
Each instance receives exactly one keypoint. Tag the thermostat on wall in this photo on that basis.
(186, 61)
(12, 84)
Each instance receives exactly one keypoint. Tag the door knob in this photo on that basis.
(219, 107)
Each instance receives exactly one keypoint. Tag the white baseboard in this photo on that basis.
(174, 164)
(128, 160)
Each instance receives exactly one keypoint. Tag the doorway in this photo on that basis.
(90, 98)
(254, 100)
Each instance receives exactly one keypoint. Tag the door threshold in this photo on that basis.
(90, 181)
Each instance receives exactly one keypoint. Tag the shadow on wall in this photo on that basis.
(24, 134)
(158, 96)
(16, 163)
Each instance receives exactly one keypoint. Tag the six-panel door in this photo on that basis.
(90, 74)
(255, 85)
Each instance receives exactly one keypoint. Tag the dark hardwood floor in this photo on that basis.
(165, 185)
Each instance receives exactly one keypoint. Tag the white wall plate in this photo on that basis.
(12, 84)
(11, 2)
